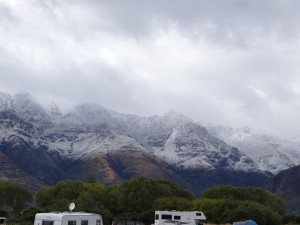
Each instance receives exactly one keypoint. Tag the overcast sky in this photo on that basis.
(233, 62)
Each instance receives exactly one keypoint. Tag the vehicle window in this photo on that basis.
(84, 222)
(166, 217)
(157, 216)
(47, 222)
(198, 214)
(177, 217)
(98, 222)
(72, 222)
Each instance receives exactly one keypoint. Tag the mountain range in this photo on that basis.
(40, 146)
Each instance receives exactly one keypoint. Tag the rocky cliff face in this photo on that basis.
(47, 145)
(286, 185)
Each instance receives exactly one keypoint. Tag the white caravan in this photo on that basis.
(179, 218)
(68, 218)
(2, 220)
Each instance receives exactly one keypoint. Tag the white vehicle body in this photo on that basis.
(68, 218)
(2, 220)
(179, 218)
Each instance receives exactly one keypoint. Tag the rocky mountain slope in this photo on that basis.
(286, 185)
(269, 153)
(46, 145)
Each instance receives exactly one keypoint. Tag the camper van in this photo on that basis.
(67, 218)
(2, 220)
(179, 218)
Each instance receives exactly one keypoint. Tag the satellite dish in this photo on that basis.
(72, 206)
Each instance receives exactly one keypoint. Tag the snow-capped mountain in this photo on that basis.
(181, 142)
(269, 153)
(49, 145)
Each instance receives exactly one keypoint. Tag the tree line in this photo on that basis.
(136, 199)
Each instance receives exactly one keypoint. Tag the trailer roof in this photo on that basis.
(59, 215)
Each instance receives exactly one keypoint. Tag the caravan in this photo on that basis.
(179, 218)
(2, 220)
(68, 218)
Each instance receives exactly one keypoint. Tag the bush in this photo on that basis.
(225, 204)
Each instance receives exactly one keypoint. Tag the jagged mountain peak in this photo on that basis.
(25, 96)
(29, 108)
(26, 106)
(54, 111)
(174, 115)
(89, 107)
(270, 153)
(90, 113)
(5, 101)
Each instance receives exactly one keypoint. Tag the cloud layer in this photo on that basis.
(229, 62)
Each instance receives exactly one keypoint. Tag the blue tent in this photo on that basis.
(247, 222)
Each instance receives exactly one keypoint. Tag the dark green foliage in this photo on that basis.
(13, 198)
(136, 200)
(173, 203)
(58, 197)
(225, 204)
(136, 197)
(254, 194)
(26, 218)
(3, 213)
(139, 194)
(29, 214)
(17, 221)
(291, 219)
(131, 200)
(91, 179)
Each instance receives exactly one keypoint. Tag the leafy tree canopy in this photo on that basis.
(250, 193)
(225, 204)
(131, 200)
(138, 198)
(13, 198)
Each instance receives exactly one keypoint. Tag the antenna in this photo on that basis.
(72, 206)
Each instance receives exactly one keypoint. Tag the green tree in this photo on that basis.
(91, 178)
(13, 198)
(136, 197)
(250, 193)
(139, 194)
(225, 204)
(173, 203)
(59, 196)
(131, 200)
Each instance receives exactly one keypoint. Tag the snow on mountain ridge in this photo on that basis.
(5, 101)
(269, 153)
(87, 128)
(54, 112)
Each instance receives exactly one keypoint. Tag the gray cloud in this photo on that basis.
(230, 62)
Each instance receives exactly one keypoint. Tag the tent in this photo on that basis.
(247, 222)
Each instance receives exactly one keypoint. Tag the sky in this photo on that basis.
(233, 62)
